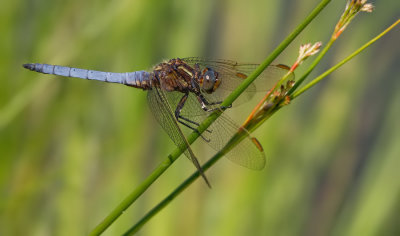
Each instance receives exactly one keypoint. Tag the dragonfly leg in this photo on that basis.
(181, 118)
(190, 121)
(204, 104)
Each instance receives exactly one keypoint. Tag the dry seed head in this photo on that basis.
(367, 7)
(353, 7)
(305, 51)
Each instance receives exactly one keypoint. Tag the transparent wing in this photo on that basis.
(247, 153)
(162, 111)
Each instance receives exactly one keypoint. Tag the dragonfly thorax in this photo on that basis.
(175, 75)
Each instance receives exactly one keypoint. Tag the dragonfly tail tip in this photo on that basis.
(28, 66)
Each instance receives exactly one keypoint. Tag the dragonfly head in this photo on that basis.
(209, 81)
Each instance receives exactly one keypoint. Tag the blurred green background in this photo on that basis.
(71, 150)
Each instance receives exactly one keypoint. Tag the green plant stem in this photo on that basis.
(116, 212)
(326, 73)
(135, 228)
(194, 135)
(229, 100)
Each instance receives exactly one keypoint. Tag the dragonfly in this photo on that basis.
(183, 92)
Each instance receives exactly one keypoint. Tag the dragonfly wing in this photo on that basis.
(162, 111)
(247, 153)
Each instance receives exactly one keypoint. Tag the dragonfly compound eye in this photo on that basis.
(209, 81)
